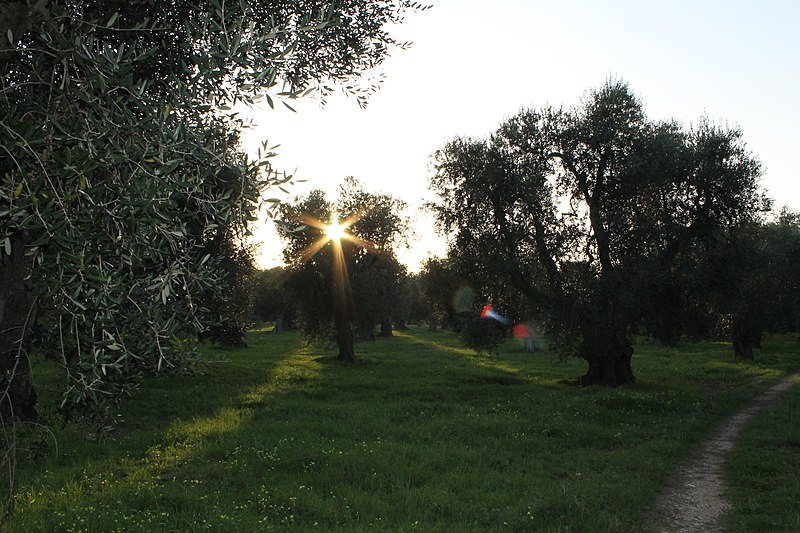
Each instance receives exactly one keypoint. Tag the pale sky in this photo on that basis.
(474, 63)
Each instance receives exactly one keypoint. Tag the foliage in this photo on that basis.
(423, 435)
(785, 311)
(377, 274)
(480, 334)
(410, 309)
(119, 162)
(757, 283)
(229, 303)
(378, 281)
(585, 211)
(309, 276)
(438, 284)
(739, 285)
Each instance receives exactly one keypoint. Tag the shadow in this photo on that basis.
(172, 418)
(514, 367)
(282, 436)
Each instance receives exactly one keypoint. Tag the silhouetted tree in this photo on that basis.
(356, 285)
(585, 210)
(379, 223)
(438, 284)
(757, 285)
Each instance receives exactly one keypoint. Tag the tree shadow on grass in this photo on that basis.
(167, 423)
(245, 442)
(421, 432)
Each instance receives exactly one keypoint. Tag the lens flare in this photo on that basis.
(335, 231)
(522, 332)
(489, 312)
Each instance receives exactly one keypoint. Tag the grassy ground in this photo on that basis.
(763, 473)
(423, 435)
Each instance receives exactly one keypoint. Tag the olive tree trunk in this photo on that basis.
(16, 312)
(608, 353)
(344, 337)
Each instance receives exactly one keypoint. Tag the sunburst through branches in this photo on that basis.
(335, 232)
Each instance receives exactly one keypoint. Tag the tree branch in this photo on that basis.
(518, 278)
(592, 201)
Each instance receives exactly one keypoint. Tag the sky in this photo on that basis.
(475, 63)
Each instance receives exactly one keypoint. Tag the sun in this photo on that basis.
(335, 231)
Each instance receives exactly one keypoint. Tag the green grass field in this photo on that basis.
(423, 435)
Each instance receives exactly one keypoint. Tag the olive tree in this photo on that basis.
(438, 283)
(347, 283)
(119, 161)
(584, 210)
(756, 286)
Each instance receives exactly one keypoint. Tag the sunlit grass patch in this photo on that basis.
(429, 344)
(302, 366)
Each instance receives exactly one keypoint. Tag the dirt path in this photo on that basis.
(693, 501)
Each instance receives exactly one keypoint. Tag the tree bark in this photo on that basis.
(344, 337)
(609, 354)
(746, 336)
(18, 398)
(386, 328)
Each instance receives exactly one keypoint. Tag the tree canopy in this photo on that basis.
(585, 210)
(120, 162)
(749, 283)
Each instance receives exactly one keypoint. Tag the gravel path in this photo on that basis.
(693, 501)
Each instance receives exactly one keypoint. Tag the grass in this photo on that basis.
(422, 435)
(763, 472)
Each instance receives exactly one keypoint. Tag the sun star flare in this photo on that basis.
(335, 230)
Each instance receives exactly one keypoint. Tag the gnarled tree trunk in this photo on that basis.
(18, 396)
(609, 353)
